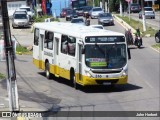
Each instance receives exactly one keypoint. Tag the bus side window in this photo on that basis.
(36, 37)
(48, 42)
(71, 45)
(64, 48)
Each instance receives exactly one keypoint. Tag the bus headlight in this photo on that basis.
(124, 73)
(88, 74)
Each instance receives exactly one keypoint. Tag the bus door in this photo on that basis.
(41, 41)
(56, 54)
(79, 55)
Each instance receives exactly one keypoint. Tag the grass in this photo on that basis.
(137, 24)
(2, 76)
(22, 50)
(156, 46)
(42, 18)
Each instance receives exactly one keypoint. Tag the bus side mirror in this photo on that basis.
(129, 53)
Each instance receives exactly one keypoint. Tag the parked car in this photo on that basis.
(157, 36)
(94, 12)
(29, 11)
(97, 26)
(64, 12)
(105, 18)
(71, 14)
(20, 19)
(78, 21)
(149, 13)
(135, 8)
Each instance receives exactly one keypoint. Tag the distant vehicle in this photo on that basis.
(149, 13)
(71, 14)
(105, 18)
(21, 10)
(78, 3)
(97, 26)
(86, 9)
(20, 19)
(135, 8)
(29, 11)
(94, 12)
(64, 12)
(157, 37)
(79, 11)
(78, 21)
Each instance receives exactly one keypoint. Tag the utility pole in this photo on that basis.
(10, 55)
(143, 16)
(120, 7)
(93, 3)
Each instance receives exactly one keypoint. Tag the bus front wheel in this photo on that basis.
(48, 74)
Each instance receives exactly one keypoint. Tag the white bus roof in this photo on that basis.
(75, 30)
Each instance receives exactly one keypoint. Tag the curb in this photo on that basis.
(124, 24)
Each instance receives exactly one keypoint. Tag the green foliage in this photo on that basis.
(137, 24)
(2, 76)
(21, 49)
(42, 18)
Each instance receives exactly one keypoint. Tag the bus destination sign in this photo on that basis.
(104, 39)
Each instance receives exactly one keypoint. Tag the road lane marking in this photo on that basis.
(143, 79)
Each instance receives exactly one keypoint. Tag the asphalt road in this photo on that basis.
(142, 92)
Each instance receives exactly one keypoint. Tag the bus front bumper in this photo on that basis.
(104, 81)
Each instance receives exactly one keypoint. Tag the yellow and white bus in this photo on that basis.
(81, 54)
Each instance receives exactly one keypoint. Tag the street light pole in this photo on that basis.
(9, 52)
(143, 16)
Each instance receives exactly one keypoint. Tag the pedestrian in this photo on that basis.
(48, 7)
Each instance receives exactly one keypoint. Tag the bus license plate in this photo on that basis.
(106, 83)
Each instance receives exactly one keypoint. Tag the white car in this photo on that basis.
(95, 11)
(97, 26)
(30, 12)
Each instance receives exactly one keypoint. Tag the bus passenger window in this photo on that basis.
(48, 42)
(64, 48)
(36, 37)
(71, 45)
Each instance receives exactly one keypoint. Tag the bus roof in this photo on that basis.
(76, 30)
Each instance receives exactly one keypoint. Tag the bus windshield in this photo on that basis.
(110, 56)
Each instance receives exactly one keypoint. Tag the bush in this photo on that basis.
(42, 18)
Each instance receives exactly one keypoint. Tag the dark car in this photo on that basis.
(79, 21)
(79, 11)
(86, 9)
(64, 12)
(105, 18)
(157, 37)
(71, 14)
(135, 8)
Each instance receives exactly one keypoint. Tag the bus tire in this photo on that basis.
(48, 74)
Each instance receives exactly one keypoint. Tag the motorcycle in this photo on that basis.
(138, 41)
(87, 22)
